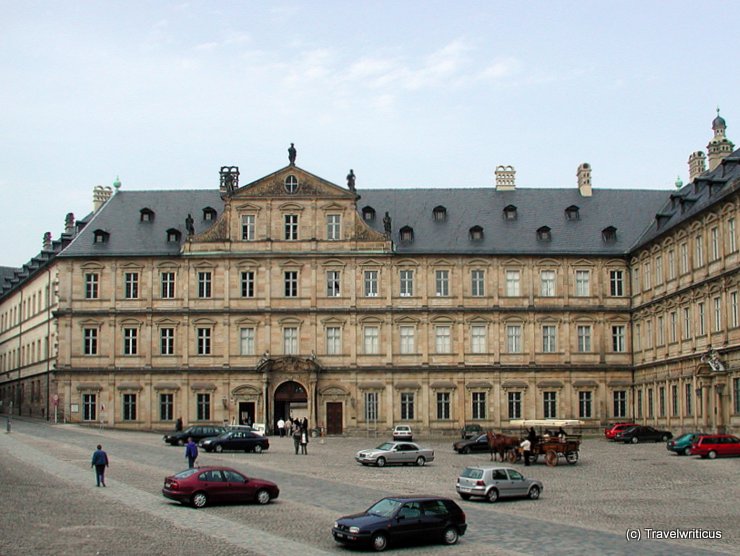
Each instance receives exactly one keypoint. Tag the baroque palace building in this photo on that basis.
(359, 309)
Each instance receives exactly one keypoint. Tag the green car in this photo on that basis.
(682, 444)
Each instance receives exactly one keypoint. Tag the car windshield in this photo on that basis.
(402, 428)
(385, 446)
(385, 508)
(482, 438)
(472, 473)
(683, 437)
(185, 474)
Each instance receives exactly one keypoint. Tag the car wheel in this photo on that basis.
(379, 542)
(219, 448)
(262, 497)
(534, 493)
(450, 536)
(466, 450)
(492, 495)
(258, 449)
(465, 496)
(199, 499)
(381, 462)
(712, 454)
(635, 440)
(687, 451)
(420, 461)
(664, 438)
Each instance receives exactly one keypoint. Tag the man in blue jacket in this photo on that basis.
(191, 452)
(100, 462)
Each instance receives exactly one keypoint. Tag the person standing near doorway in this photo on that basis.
(191, 452)
(296, 433)
(281, 427)
(100, 462)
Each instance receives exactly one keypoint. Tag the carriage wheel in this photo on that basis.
(512, 456)
(551, 458)
(571, 457)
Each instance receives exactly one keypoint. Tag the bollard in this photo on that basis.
(7, 424)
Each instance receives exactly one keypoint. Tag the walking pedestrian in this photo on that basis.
(100, 462)
(304, 442)
(296, 436)
(281, 427)
(526, 447)
(191, 452)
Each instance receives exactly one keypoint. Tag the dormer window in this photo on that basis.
(291, 184)
(368, 214)
(571, 213)
(609, 234)
(510, 212)
(209, 213)
(173, 235)
(476, 233)
(101, 236)
(439, 213)
(544, 233)
(406, 234)
(146, 215)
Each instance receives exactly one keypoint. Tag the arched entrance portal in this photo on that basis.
(291, 400)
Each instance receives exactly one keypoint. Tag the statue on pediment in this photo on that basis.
(711, 358)
(387, 223)
(351, 180)
(190, 225)
(291, 154)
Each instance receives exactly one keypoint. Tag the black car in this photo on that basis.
(477, 444)
(471, 431)
(642, 433)
(236, 440)
(196, 433)
(402, 519)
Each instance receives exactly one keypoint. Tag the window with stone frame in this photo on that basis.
(371, 337)
(128, 407)
(291, 283)
(407, 406)
(661, 402)
(547, 283)
(90, 341)
(406, 283)
(479, 405)
(619, 398)
(290, 340)
(131, 285)
(583, 287)
(443, 338)
(203, 340)
(585, 401)
(291, 227)
(674, 400)
(407, 339)
(478, 333)
(371, 283)
(371, 406)
(477, 283)
(550, 404)
(513, 338)
(618, 338)
(130, 341)
(512, 283)
(204, 284)
(332, 283)
(247, 340)
(333, 340)
(246, 281)
(202, 406)
(443, 406)
(89, 407)
(549, 342)
(688, 401)
(515, 405)
(248, 227)
(333, 227)
(166, 407)
(92, 285)
(442, 283)
(167, 285)
(731, 236)
(167, 341)
(584, 338)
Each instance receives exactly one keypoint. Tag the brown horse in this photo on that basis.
(500, 444)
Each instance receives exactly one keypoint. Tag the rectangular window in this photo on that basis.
(442, 283)
(513, 338)
(89, 407)
(686, 323)
(674, 400)
(204, 341)
(247, 283)
(548, 339)
(129, 407)
(736, 394)
(731, 236)
(407, 283)
(620, 403)
(372, 340)
(479, 405)
(689, 391)
(661, 332)
(332, 283)
(167, 285)
(291, 283)
(684, 258)
(203, 407)
(550, 408)
(639, 404)
(673, 326)
(333, 228)
(651, 408)
(584, 405)
(131, 285)
(661, 401)
(658, 270)
(478, 338)
(547, 283)
(407, 340)
(477, 283)
(702, 320)
(248, 227)
(649, 334)
(733, 310)
(167, 341)
(515, 405)
(90, 343)
(407, 406)
(584, 338)
(333, 340)
(291, 227)
(246, 341)
(512, 283)
(717, 314)
(130, 341)
(638, 338)
(371, 283)
(618, 340)
(443, 406)
(442, 340)
(583, 288)
(714, 242)
(646, 285)
(371, 407)
(204, 284)
(671, 264)
(166, 407)
(698, 251)
(92, 281)
(290, 340)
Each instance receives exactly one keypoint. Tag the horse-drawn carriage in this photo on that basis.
(549, 439)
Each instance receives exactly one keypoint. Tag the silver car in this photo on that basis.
(494, 482)
(395, 452)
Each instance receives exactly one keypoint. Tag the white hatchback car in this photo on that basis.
(402, 432)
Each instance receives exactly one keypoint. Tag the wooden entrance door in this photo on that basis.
(334, 417)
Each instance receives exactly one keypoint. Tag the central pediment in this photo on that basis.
(292, 182)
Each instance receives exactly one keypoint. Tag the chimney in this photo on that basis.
(47, 242)
(584, 179)
(100, 196)
(505, 178)
(69, 224)
(697, 164)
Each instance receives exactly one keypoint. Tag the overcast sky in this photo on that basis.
(406, 93)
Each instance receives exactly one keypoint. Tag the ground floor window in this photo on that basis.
(584, 405)
(479, 405)
(639, 404)
(129, 407)
(89, 407)
(166, 407)
(651, 410)
(689, 405)
(620, 403)
(203, 407)
(736, 393)
(515, 405)
(674, 400)
(407, 406)
(443, 405)
(661, 401)
(550, 404)
(371, 406)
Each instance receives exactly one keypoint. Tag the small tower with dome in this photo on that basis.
(720, 146)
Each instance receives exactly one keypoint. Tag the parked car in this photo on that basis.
(238, 440)
(403, 518)
(615, 429)
(494, 482)
(477, 444)
(640, 433)
(682, 444)
(714, 445)
(402, 432)
(471, 431)
(395, 452)
(197, 433)
(207, 485)
(245, 428)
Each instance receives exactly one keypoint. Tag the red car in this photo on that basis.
(713, 445)
(206, 485)
(610, 433)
